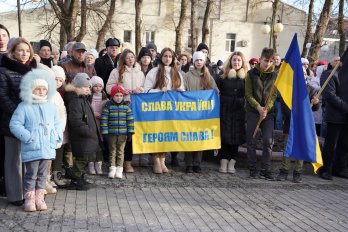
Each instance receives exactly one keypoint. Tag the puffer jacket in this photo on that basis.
(117, 119)
(132, 78)
(36, 125)
(72, 67)
(82, 126)
(11, 74)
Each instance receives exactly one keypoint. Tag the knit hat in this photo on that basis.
(321, 62)
(97, 80)
(253, 60)
(81, 80)
(198, 56)
(112, 42)
(39, 82)
(45, 43)
(58, 72)
(151, 46)
(304, 60)
(116, 89)
(144, 52)
(202, 46)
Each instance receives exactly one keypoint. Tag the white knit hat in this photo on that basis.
(39, 82)
(198, 56)
(58, 72)
(304, 60)
(97, 80)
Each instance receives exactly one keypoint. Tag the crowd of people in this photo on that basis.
(68, 112)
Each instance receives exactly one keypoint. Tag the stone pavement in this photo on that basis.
(177, 201)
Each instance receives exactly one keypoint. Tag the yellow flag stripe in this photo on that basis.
(284, 83)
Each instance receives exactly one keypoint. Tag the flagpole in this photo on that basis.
(261, 119)
(327, 81)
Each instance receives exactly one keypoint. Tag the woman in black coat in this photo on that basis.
(14, 66)
(83, 131)
(232, 114)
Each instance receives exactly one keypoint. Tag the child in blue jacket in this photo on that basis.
(36, 124)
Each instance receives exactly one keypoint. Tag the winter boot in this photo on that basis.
(163, 163)
(119, 171)
(175, 161)
(98, 168)
(254, 173)
(91, 169)
(157, 168)
(79, 184)
(29, 203)
(223, 165)
(266, 174)
(230, 166)
(57, 178)
(49, 188)
(40, 200)
(128, 168)
(112, 172)
(283, 175)
(297, 178)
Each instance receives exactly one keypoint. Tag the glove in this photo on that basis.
(129, 137)
(106, 137)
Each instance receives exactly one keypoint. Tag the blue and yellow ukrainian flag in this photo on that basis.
(302, 142)
(176, 121)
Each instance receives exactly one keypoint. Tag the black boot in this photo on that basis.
(297, 178)
(68, 173)
(266, 174)
(254, 173)
(78, 184)
(175, 161)
(283, 175)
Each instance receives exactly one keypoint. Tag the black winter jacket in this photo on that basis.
(11, 74)
(336, 110)
(103, 66)
(83, 131)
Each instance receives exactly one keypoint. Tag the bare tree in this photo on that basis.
(205, 27)
(308, 36)
(180, 28)
(194, 22)
(138, 24)
(107, 25)
(341, 27)
(314, 51)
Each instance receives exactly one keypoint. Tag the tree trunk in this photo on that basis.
(341, 27)
(138, 24)
(83, 26)
(309, 35)
(194, 22)
(205, 27)
(314, 51)
(179, 29)
(274, 14)
(106, 26)
(62, 38)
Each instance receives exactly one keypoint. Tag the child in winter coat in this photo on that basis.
(83, 130)
(98, 100)
(117, 126)
(36, 124)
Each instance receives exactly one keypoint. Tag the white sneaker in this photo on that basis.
(91, 169)
(112, 172)
(119, 171)
(98, 168)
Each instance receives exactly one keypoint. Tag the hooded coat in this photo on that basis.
(11, 74)
(232, 102)
(82, 125)
(36, 125)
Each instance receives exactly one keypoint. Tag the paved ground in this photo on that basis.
(189, 202)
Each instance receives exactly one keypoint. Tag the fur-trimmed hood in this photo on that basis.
(27, 81)
(73, 89)
(241, 73)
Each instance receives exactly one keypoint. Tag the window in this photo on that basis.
(150, 37)
(127, 36)
(230, 42)
(189, 45)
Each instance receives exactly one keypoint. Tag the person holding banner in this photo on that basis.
(258, 84)
(163, 78)
(232, 112)
(129, 76)
(197, 79)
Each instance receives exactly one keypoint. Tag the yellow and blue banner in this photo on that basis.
(176, 121)
(302, 141)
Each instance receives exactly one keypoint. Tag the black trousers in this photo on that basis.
(228, 151)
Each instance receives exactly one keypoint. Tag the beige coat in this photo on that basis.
(192, 80)
(133, 78)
